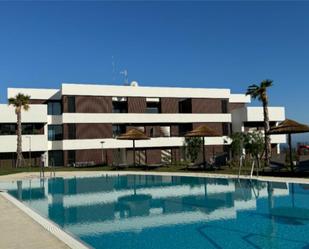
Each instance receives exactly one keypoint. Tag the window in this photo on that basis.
(152, 133)
(153, 107)
(7, 129)
(71, 157)
(224, 105)
(26, 129)
(225, 129)
(32, 129)
(54, 108)
(165, 131)
(71, 131)
(71, 103)
(55, 132)
(184, 128)
(55, 157)
(118, 130)
(120, 106)
(185, 106)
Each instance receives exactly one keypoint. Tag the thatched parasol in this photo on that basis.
(133, 134)
(202, 131)
(289, 127)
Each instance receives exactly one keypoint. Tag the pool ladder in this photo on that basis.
(52, 169)
(252, 167)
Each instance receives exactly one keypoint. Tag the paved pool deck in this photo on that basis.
(19, 230)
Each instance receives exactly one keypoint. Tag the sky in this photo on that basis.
(190, 44)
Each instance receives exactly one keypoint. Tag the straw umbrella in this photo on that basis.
(202, 131)
(133, 134)
(289, 127)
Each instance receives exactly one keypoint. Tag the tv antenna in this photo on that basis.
(113, 68)
(125, 75)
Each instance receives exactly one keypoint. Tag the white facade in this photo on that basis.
(148, 92)
(144, 118)
(35, 114)
(38, 114)
(255, 114)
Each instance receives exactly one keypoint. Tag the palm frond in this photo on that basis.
(266, 83)
(20, 100)
(253, 91)
(11, 101)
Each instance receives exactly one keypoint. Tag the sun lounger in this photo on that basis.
(154, 165)
(120, 166)
(303, 164)
(278, 162)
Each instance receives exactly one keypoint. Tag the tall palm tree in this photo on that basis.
(20, 102)
(260, 92)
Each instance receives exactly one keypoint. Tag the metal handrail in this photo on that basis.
(53, 169)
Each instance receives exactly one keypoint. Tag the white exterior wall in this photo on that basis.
(255, 114)
(35, 114)
(149, 92)
(54, 119)
(9, 143)
(36, 93)
(239, 98)
(111, 143)
(143, 118)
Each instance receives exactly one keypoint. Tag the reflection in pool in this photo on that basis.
(147, 212)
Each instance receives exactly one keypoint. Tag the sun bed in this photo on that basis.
(120, 166)
(303, 164)
(277, 162)
(153, 165)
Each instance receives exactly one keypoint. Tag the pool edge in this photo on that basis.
(72, 174)
(51, 227)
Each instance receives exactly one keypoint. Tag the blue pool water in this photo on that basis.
(166, 212)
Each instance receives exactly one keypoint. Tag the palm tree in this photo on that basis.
(260, 93)
(20, 102)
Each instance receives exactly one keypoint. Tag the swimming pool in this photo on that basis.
(166, 212)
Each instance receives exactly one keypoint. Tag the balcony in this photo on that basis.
(110, 143)
(38, 143)
(255, 114)
(35, 114)
(145, 118)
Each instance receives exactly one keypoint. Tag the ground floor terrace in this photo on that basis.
(218, 154)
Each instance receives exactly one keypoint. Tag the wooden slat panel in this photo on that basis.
(234, 106)
(153, 156)
(136, 105)
(93, 104)
(206, 105)
(92, 131)
(169, 105)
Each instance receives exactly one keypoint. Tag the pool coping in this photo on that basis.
(50, 226)
(72, 174)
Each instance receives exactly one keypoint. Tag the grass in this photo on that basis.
(171, 168)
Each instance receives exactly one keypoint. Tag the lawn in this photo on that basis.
(171, 168)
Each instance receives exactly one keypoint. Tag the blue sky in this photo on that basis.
(199, 44)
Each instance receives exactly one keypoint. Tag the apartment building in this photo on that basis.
(79, 123)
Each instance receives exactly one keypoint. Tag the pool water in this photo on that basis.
(166, 212)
